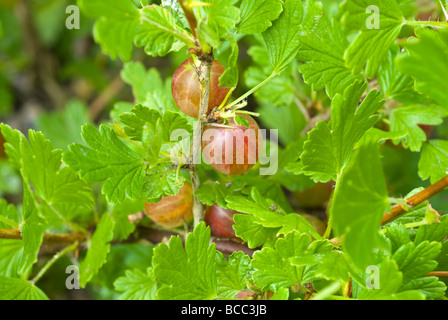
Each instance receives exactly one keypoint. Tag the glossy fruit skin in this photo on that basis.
(220, 221)
(172, 211)
(186, 87)
(242, 153)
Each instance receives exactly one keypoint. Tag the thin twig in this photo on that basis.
(415, 200)
(440, 274)
(411, 202)
(49, 238)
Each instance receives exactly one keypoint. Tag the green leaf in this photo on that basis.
(323, 50)
(398, 236)
(98, 250)
(11, 252)
(219, 17)
(163, 181)
(416, 260)
(233, 274)
(116, 25)
(190, 273)
(283, 37)
(8, 215)
(32, 230)
(212, 192)
(247, 228)
(18, 289)
(257, 15)
(431, 287)
(328, 150)
(64, 127)
(334, 266)
(109, 160)
(229, 78)
(151, 128)
(359, 202)
(395, 84)
(390, 284)
(372, 44)
(436, 231)
(62, 194)
(408, 118)
(123, 257)
(267, 214)
(426, 62)
(141, 80)
(158, 31)
(274, 269)
(137, 285)
(433, 160)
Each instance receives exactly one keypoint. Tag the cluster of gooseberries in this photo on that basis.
(231, 149)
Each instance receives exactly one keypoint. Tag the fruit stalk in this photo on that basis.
(204, 77)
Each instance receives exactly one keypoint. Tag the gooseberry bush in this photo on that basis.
(317, 173)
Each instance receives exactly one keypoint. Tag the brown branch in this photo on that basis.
(440, 274)
(191, 18)
(411, 202)
(204, 77)
(49, 238)
(53, 242)
(415, 200)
